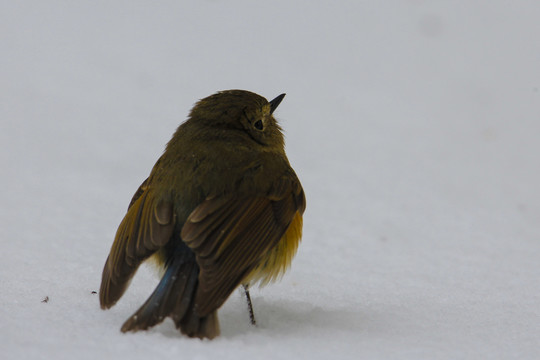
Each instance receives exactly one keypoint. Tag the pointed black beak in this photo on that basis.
(274, 103)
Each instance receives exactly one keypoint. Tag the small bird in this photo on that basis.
(222, 208)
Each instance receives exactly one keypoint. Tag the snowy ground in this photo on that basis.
(413, 125)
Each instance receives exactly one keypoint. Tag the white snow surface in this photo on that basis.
(413, 125)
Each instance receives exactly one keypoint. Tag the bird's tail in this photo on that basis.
(174, 297)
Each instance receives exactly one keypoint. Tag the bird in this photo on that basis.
(221, 209)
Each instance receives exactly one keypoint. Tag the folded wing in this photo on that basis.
(147, 226)
(231, 234)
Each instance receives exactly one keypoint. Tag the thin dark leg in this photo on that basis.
(250, 305)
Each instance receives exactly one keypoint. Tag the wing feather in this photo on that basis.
(230, 235)
(147, 226)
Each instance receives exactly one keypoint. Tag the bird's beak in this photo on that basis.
(274, 103)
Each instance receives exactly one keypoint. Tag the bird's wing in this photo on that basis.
(230, 235)
(139, 192)
(147, 226)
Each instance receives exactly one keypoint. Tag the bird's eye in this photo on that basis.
(258, 125)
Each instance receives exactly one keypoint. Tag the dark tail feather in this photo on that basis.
(175, 288)
(201, 327)
(174, 296)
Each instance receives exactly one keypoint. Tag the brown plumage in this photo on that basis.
(222, 207)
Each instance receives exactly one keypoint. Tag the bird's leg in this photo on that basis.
(250, 305)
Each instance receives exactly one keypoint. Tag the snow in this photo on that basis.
(413, 126)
